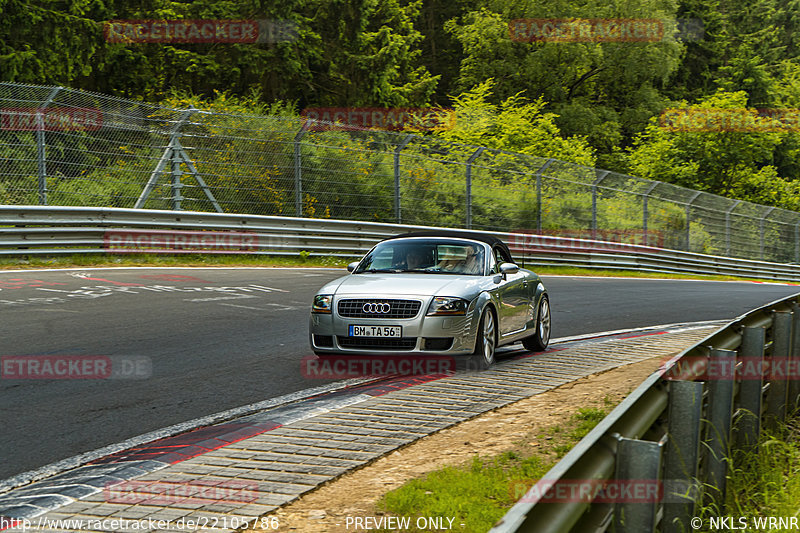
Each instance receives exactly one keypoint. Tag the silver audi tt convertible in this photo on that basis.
(443, 293)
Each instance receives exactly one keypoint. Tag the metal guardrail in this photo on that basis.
(43, 230)
(683, 427)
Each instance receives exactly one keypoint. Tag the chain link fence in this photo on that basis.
(65, 147)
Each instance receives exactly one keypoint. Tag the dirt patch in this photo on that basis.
(516, 426)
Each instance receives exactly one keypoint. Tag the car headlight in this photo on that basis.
(448, 305)
(322, 303)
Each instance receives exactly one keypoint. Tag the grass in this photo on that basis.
(579, 271)
(303, 259)
(165, 260)
(766, 481)
(480, 492)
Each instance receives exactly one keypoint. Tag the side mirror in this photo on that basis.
(352, 266)
(508, 268)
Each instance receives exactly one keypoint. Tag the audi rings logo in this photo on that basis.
(381, 308)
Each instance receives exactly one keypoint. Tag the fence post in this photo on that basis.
(682, 454)
(403, 143)
(594, 201)
(539, 193)
(471, 160)
(762, 229)
(41, 160)
(728, 227)
(775, 411)
(722, 365)
(645, 214)
(638, 463)
(176, 181)
(179, 154)
(298, 171)
(170, 155)
(797, 243)
(689, 219)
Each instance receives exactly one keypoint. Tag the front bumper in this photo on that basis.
(451, 335)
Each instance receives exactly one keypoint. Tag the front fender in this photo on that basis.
(477, 308)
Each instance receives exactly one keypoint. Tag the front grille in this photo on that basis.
(378, 343)
(354, 308)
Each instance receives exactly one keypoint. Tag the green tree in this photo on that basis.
(724, 162)
(606, 91)
(352, 53)
(50, 41)
(513, 125)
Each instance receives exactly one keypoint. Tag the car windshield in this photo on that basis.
(436, 256)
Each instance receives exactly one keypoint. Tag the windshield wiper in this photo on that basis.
(379, 270)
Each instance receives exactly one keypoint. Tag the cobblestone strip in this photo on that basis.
(312, 444)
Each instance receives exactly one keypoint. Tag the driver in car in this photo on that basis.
(415, 258)
(474, 261)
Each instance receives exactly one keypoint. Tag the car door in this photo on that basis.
(512, 296)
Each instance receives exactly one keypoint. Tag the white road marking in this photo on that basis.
(283, 307)
(216, 298)
(245, 307)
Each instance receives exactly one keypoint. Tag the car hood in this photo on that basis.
(397, 284)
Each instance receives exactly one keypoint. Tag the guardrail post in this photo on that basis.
(298, 170)
(41, 159)
(539, 193)
(689, 219)
(751, 388)
(728, 226)
(793, 368)
(682, 455)
(597, 180)
(775, 411)
(638, 466)
(645, 214)
(403, 143)
(721, 371)
(471, 160)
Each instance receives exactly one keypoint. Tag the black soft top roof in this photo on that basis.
(491, 240)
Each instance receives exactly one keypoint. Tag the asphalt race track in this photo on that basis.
(185, 343)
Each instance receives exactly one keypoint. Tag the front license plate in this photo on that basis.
(376, 331)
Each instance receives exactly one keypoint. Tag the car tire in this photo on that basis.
(485, 342)
(538, 341)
